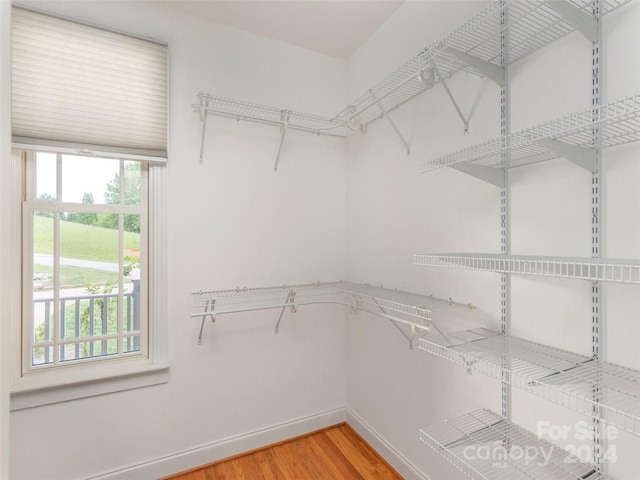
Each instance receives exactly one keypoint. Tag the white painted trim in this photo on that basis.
(224, 448)
(5, 233)
(392, 455)
(85, 381)
(97, 378)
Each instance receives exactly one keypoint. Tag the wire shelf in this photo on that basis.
(406, 308)
(607, 270)
(531, 25)
(556, 375)
(617, 122)
(240, 110)
(483, 445)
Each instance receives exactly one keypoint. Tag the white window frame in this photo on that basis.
(85, 379)
(31, 205)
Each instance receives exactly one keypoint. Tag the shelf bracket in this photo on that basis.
(586, 24)
(385, 314)
(290, 300)
(492, 175)
(210, 303)
(284, 118)
(393, 125)
(203, 120)
(582, 156)
(453, 100)
(491, 71)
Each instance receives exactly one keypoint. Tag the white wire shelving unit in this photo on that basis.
(559, 376)
(473, 48)
(590, 269)
(404, 308)
(514, 453)
(570, 136)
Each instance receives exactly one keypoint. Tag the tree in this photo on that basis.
(87, 218)
(131, 197)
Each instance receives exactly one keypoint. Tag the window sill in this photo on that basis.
(82, 381)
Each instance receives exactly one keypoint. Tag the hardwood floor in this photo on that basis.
(335, 453)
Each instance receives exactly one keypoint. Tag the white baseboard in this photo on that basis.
(387, 451)
(226, 447)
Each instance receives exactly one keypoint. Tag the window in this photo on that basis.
(89, 132)
(84, 259)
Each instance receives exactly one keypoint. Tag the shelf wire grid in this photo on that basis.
(618, 121)
(483, 445)
(590, 269)
(559, 376)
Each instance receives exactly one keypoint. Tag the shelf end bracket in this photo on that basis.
(492, 175)
(491, 71)
(586, 24)
(582, 156)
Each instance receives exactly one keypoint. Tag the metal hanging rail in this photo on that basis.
(569, 136)
(556, 375)
(474, 48)
(514, 453)
(590, 269)
(400, 307)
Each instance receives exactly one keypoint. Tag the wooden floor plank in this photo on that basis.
(366, 461)
(335, 453)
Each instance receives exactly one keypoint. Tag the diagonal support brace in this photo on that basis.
(453, 100)
(586, 24)
(393, 125)
(203, 119)
(210, 304)
(491, 71)
(290, 300)
(284, 117)
(582, 156)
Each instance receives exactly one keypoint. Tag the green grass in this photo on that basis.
(80, 241)
(74, 277)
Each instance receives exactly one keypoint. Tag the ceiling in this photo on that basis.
(333, 27)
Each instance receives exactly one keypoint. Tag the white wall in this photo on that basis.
(232, 222)
(393, 213)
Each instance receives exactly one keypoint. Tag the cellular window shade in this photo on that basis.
(77, 87)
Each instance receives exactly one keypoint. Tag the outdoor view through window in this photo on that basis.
(85, 228)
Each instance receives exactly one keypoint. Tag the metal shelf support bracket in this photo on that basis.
(492, 175)
(291, 297)
(586, 24)
(203, 120)
(584, 157)
(488, 69)
(465, 121)
(284, 117)
(210, 304)
(393, 125)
